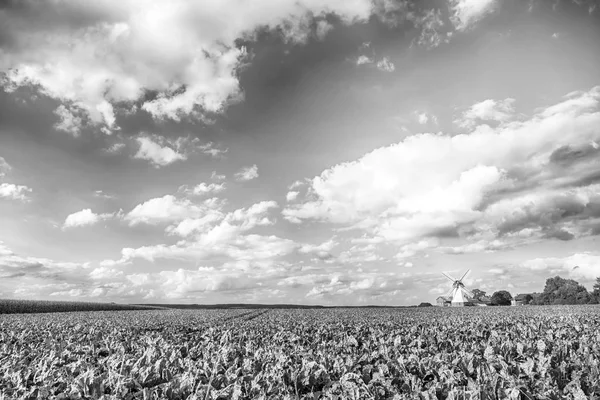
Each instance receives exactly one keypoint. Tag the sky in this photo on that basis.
(334, 152)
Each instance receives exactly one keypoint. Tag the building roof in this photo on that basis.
(445, 298)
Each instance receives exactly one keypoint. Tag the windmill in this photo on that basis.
(460, 295)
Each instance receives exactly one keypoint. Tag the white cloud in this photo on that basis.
(207, 231)
(203, 189)
(363, 60)
(14, 192)
(424, 117)
(216, 177)
(386, 65)
(580, 265)
(159, 155)
(115, 148)
(69, 122)
(96, 57)
(466, 13)
(487, 110)
(210, 149)
(412, 249)
(481, 246)
(291, 196)
(169, 209)
(247, 173)
(460, 177)
(85, 217)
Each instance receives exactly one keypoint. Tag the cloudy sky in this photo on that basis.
(296, 151)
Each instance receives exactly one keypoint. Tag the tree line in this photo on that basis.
(557, 291)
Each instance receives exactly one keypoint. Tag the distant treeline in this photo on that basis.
(567, 291)
(557, 291)
(43, 306)
(258, 306)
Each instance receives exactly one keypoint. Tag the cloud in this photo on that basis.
(101, 194)
(247, 174)
(424, 117)
(115, 148)
(292, 195)
(4, 167)
(169, 209)
(430, 24)
(499, 180)
(158, 155)
(206, 231)
(85, 217)
(217, 177)
(14, 192)
(481, 246)
(363, 60)
(69, 122)
(487, 110)
(203, 189)
(386, 65)
(579, 265)
(466, 13)
(175, 59)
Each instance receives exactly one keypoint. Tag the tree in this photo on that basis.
(527, 299)
(501, 298)
(596, 292)
(564, 291)
(478, 294)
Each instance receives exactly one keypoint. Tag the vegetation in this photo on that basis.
(40, 306)
(557, 291)
(419, 353)
(501, 298)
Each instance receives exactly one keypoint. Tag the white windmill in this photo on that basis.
(460, 295)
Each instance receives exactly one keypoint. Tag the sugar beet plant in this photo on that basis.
(470, 353)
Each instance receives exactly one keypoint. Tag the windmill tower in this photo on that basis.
(459, 294)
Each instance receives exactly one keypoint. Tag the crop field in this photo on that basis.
(471, 353)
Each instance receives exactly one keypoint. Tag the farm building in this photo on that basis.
(444, 301)
(521, 299)
(482, 301)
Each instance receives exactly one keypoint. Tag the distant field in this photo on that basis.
(41, 306)
(430, 353)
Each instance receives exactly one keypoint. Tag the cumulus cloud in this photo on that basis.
(291, 195)
(361, 60)
(203, 189)
(85, 217)
(424, 117)
(168, 209)
(14, 192)
(247, 174)
(176, 59)
(500, 180)
(157, 154)
(487, 110)
(207, 231)
(69, 122)
(466, 13)
(386, 65)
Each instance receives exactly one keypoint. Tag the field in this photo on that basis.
(43, 306)
(470, 353)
